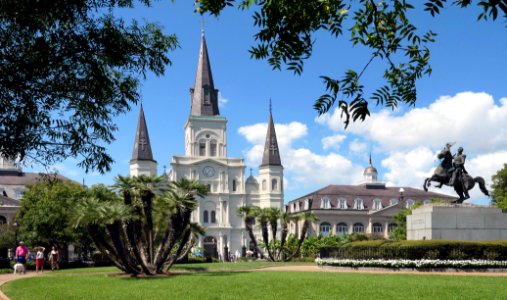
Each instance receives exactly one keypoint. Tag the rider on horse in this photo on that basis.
(458, 170)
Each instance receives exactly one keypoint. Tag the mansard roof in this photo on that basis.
(142, 145)
(367, 192)
(204, 95)
(10, 177)
(271, 156)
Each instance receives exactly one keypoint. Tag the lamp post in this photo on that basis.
(15, 226)
(402, 192)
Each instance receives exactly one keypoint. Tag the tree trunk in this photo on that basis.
(301, 239)
(123, 255)
(265, 238)
(104, 246)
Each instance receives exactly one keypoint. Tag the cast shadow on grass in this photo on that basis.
(175, 274)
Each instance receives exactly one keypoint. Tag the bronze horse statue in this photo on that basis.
(442, 175)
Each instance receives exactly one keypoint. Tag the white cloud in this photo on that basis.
(222, 101)
(303, 168)
(410, 140)
(333, 141)
(358, 147)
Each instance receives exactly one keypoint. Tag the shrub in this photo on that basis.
(446, 250)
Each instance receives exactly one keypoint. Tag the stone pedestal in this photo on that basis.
(457, 222)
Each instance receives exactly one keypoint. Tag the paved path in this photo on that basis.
(8, 277)
(315, 268)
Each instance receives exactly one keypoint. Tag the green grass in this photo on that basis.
(220, 284)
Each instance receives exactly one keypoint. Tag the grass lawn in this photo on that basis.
(238, 281)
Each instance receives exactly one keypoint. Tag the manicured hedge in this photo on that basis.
(445, 250)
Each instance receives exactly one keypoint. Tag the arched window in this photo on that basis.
(391, 227)
(213, 148)
(213, 217)
(410, 202)
(358, 203)
(325, 203)
(274, 185)
(264, 185)
(358, 228)
(234, 185)
(377, 204)
(341, 229)
(342, 203)
(205, 217)
(377, 228)
(393, 201)
(202, 148)
(3, 220)
(325, 229)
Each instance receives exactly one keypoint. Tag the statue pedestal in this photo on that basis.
(457, 222)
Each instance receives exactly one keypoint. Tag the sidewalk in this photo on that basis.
(8, 277)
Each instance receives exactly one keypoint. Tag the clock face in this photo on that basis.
(208, 171)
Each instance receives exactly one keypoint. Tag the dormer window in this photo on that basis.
(377, 204)
(393, 201)
(325, 203)
(342, 203)
(358, 203)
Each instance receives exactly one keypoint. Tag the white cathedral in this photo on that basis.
(206, 160)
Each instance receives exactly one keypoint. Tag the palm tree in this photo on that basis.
(124, 230)
(148, 187)
(181, 201)
(307, 218)
(250, 213)
(103, 213)
(285, 220)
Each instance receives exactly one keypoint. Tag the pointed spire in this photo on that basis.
(271, 155)
(142, 146)
(204, 95)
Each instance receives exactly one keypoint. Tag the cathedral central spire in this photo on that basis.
(204, 95)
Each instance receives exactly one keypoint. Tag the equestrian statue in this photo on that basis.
(452, 172)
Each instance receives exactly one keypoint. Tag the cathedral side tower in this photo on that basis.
(271, 170)
(205, 130)
(142, 162)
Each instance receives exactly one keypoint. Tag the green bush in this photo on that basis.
(451, 250)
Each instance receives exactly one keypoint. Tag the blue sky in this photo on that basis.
(464, 101)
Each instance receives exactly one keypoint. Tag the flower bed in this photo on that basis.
(414, 264)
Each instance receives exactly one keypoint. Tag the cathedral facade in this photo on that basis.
(206, 161)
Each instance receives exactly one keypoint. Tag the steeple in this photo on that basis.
(142, 146)
(204, 95)
(271, 155)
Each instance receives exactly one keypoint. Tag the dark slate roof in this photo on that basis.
(271, 156)
(142, 145)
(204, 95)
(367, 192)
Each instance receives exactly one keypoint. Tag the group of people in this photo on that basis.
(22, 256)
